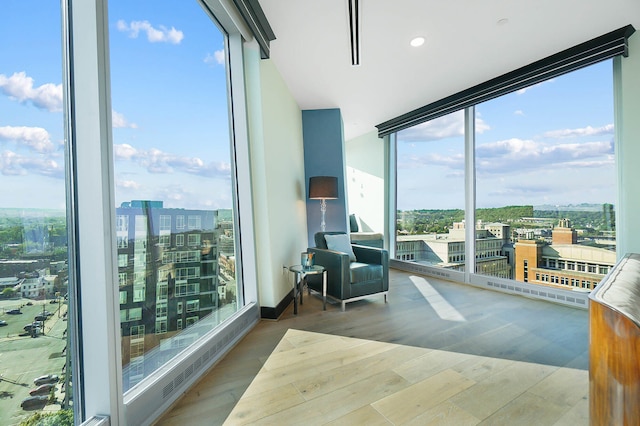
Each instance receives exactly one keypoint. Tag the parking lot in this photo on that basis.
(15, 323)
(23, 358)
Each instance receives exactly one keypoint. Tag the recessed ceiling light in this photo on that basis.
(418, 41)
(503, 21)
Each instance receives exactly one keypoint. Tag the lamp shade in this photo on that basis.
(323, 187)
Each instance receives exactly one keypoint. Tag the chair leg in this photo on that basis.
(385, 298)
(343, 306)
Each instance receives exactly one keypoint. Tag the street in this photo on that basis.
(23, 358)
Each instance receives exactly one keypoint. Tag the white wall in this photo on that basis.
(277, 168)
(627, 124)
(365, 164)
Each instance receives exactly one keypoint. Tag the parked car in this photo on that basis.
(3, 323)
(43, 389)
(35, 324)
(40, 317)
(48, 378)
(29, 303)
(14, 312)
(34, 401)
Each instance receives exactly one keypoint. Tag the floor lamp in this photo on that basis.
(323, 188)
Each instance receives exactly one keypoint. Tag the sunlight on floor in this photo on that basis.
(437, 302)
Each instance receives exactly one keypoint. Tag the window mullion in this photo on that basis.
(91, 170)
(391, 199)
(470, 192)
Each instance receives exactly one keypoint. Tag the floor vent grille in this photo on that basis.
(142, 408)
(188, 371)
(503, 285)
(166, 391)
(179, 379)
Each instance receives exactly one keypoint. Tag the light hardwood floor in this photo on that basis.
(436, 353)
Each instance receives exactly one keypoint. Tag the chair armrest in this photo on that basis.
(366, 254)
(338, 273)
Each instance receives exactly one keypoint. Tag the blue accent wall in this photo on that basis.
(324, 156)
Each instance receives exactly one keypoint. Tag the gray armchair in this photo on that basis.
(349, 281)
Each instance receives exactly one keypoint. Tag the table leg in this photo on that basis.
(295, 296)
(324, 290)
(303, 277)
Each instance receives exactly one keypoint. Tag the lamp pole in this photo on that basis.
(323, 209)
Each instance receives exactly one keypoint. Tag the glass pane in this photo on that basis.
(34, 361)
(546, 182)
(430, 194)
(175, 221)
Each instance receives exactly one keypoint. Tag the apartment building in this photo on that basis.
(448, 250)
(564, 262)
(170, 257)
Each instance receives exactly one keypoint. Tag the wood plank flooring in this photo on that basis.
(437, 353)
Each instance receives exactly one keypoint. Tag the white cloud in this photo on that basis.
(526, 89)
(13, 164)
(34, 138)
(450, 125)
(516, 155)
(157, 161)
(154, 35)
(124, 151)
(118, 121)
(180, 195)
(42, 157)
(217, 57)
(585, 131)
(518, 112)
(453, 162)
(127, 184)
(19, 87)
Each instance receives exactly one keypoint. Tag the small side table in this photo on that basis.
(299, 274)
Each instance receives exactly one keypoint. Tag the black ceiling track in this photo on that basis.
(354, 31)
(252, 13)
(590, 52)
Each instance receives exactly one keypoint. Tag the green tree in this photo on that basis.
(58, 418)
(7, 293)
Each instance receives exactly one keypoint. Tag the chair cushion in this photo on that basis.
(341, 243)
(361, 272)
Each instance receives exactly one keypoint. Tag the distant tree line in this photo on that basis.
(589, 221)
(425, 221)
(33, 237)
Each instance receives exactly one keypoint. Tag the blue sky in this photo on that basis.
(551, 143)
(169, 105)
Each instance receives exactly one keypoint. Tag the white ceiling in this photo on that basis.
(466, 44)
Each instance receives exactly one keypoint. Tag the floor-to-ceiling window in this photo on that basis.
(35, 355)
(176, 226)
(430, 193)
(544, 185)
(175, 263)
